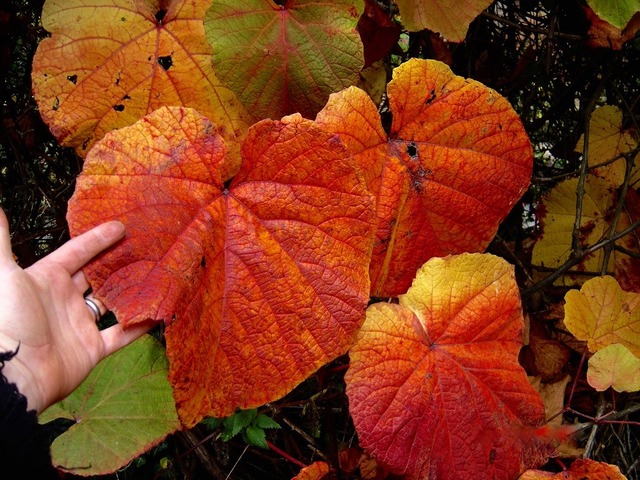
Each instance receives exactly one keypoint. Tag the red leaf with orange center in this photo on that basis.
(456, 160)
(261, 282)
(435, 389)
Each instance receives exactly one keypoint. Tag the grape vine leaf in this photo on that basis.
(581, 469)
(259, 282)
(602, 314)
(608, 141)
(110, 62)
(604, 35)
(434, 385)
(614, 366)
(556, 214)
(456, 160)
(121, 410)
(616, 13)
(282, 59)
(439, 16)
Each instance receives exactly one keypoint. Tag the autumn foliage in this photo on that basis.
(298, 182)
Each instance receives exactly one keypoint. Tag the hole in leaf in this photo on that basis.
(412, 151)
(72, 78)
(160, 14)
(126, 97)
(281, 3)
(432, 97)
(165, 62)
(118, 108)
(56, 104)
(203, 262)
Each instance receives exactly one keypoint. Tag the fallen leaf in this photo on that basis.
(552, 395)
(121, 410)
(608, 141)
(439, 16)
(456, 160)
(614, 366)
(285, 58)
(315, 471)
(580, 469)
(602, 314)
(109, 63)
(379, 33)
(259, 282)
(434, 385)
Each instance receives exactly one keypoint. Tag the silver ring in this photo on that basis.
(94, 308)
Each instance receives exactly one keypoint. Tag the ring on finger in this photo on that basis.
(93, 306)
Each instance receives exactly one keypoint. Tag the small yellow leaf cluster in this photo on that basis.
(608, 319)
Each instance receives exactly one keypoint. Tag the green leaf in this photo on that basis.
(237, 422)
(255, 436)
(616, 12)
(264, 421)
(280, 60)
(123, 408)
(211, 423)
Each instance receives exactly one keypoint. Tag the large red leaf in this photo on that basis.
(456, 160)
(260, 283)
(110, 62)
(434, 384)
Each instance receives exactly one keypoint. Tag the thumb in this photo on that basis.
(5, 239)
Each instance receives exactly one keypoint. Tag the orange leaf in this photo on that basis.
(580, 470)
(456, 161)
(110, 62)
(434, 384)
(260, 283)
(315, 471)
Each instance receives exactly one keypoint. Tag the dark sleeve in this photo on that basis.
(24, 444)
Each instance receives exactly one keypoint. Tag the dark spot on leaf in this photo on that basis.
(72, 78)
(126, 97)
(165, 62)
(56, 104)
(118, 77)
(160, 14)
(500, 126)
(149, 58)
(492, 455)
(118, 108)
(86, 143)
(203, 262)
(282, 3)
(412, 151)
(432, 96)
(123, 19)
(408, 234)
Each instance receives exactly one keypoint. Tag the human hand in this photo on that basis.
(42, 309)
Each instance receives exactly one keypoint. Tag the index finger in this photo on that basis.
(77, 252)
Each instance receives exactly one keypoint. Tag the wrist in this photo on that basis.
(17, 372)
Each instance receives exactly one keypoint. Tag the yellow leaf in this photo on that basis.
(602, 314)
(608, 140)
(614, 366)
(557, 216)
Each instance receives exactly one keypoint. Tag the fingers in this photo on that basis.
(116, 338)
(80, 281)
(5, 239)
(74, 254)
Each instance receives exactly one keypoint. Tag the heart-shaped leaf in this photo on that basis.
(108, 63)
(282, 59)
(456, 160)
(260, 282)
(435, 389)
(121, 410)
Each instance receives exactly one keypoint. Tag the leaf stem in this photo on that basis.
(285, 455)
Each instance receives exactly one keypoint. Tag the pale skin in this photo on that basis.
(42, 309)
